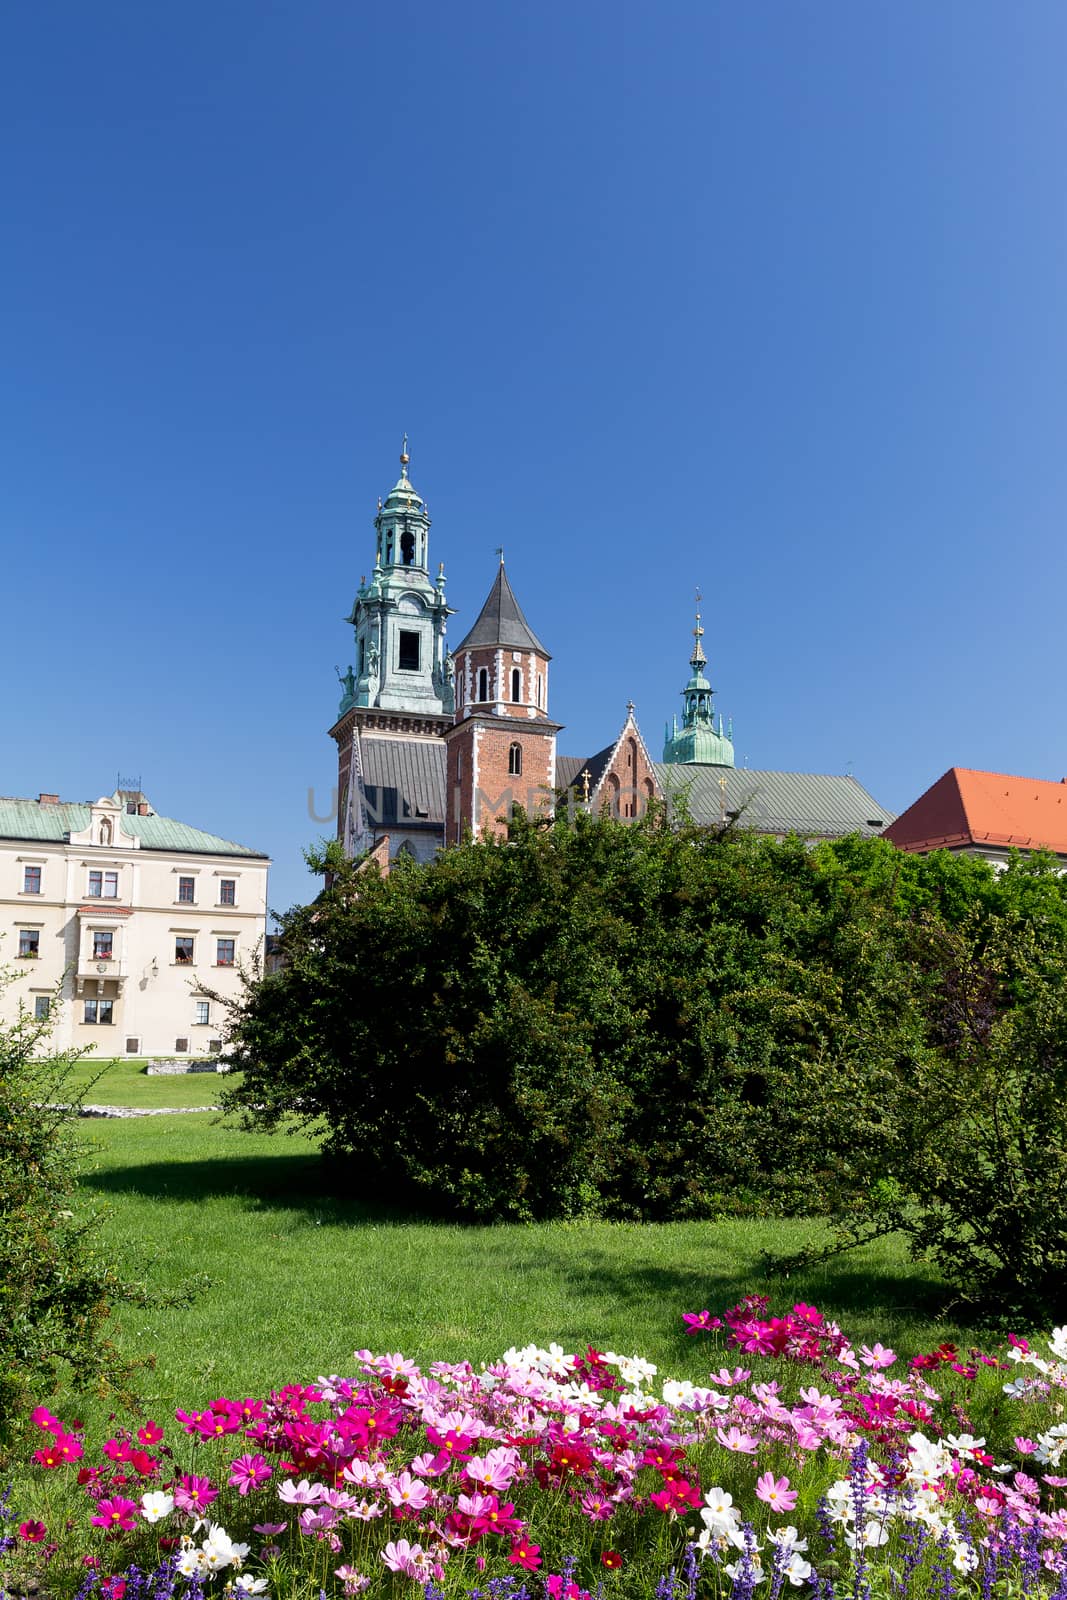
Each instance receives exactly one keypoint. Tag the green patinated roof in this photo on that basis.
(820, 805)
(29, 819)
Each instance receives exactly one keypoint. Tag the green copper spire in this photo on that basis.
(399, 617)
(698, 742)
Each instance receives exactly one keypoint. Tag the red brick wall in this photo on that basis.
(479, 749)
(629, 781)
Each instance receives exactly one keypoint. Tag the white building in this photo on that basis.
(118, 922)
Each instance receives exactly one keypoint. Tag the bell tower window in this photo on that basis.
(516, 685)
(407, 547)
(483, 684)
(515, 760)
(408, 658)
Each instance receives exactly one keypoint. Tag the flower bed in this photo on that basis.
(827, 1471)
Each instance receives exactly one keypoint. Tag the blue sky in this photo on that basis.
(763, 297)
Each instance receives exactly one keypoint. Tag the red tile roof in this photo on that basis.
(968, 809)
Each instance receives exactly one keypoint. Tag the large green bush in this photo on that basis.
(648, 1022)
(56, 1289)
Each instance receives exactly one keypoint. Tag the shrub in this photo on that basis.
(56, 1290)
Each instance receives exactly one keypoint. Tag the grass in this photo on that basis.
(289, 1279)
(125, 1083)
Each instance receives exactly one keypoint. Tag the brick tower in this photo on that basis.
(502, 746)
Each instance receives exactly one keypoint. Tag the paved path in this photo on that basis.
(140, 1111)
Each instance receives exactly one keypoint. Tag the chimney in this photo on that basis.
(143, 809)
(47, 799)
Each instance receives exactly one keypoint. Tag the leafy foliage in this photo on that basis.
(652, 1022)
(56, 1290)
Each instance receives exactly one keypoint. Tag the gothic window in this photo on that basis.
(515, 760)
(407, 547)
(483, 683)
(516, 685)
(409, 651)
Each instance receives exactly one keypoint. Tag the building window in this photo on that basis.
(103, 945)
(186, 890)
(483, 684)
(181, 1047)
(227, 891)
(99, 1013)
(42, 1007)
(103, 885)
(516, 685)
(515, 760)
(183, 950)
(214, 1045)
(133, 1047)
(29, 943)
(409, 651)
(203, 1013)
(31, 880)
(224, 952)
(541, 690)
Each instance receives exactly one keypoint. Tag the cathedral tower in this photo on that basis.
(397, 698)
(698, 740)
(502, 748)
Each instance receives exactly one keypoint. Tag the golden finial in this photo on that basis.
(586, 776)
(404, 457)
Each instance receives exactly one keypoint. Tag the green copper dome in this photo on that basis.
(699, 741)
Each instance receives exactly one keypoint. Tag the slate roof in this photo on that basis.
(816, 804)
(29, 819)
(568, 770)
(412, 771)
(966, 808)
(501, 622)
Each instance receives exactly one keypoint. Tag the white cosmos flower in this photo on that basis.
(156, 1504)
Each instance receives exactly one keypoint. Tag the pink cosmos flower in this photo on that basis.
(299, 1494)
(597, 1507)
(150, 1434)
(248, 1472)
(399, 1556)
(113, 1588)
(115, 1512)
(524, 1554)
(194, 1494)
(407, 1495)
(269, 1529)
(32, 1532)
(699, 1321)
(1025, 1447)
(734, 1439)
(877, 1356)
(41, 1417)
(775, 1492)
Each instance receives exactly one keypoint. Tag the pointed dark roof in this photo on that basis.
(501, 621)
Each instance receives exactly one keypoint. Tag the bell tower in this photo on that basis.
(502, 747)
(698, 740)
(397, 699)
(399, 616)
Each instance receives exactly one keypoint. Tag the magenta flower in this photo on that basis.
(114, 1513)
(194, 1494)
(248, 1472)
(775, 1492)
(41, 1417)
(699, 1321)
(32, 1532)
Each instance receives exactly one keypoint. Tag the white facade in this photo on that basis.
(116, 922)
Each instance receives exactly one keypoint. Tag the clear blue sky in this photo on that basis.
(766, 298)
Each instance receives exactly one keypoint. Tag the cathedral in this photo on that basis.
(434, 744)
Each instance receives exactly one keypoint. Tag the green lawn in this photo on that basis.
(125, 1083)
(295, 1279)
